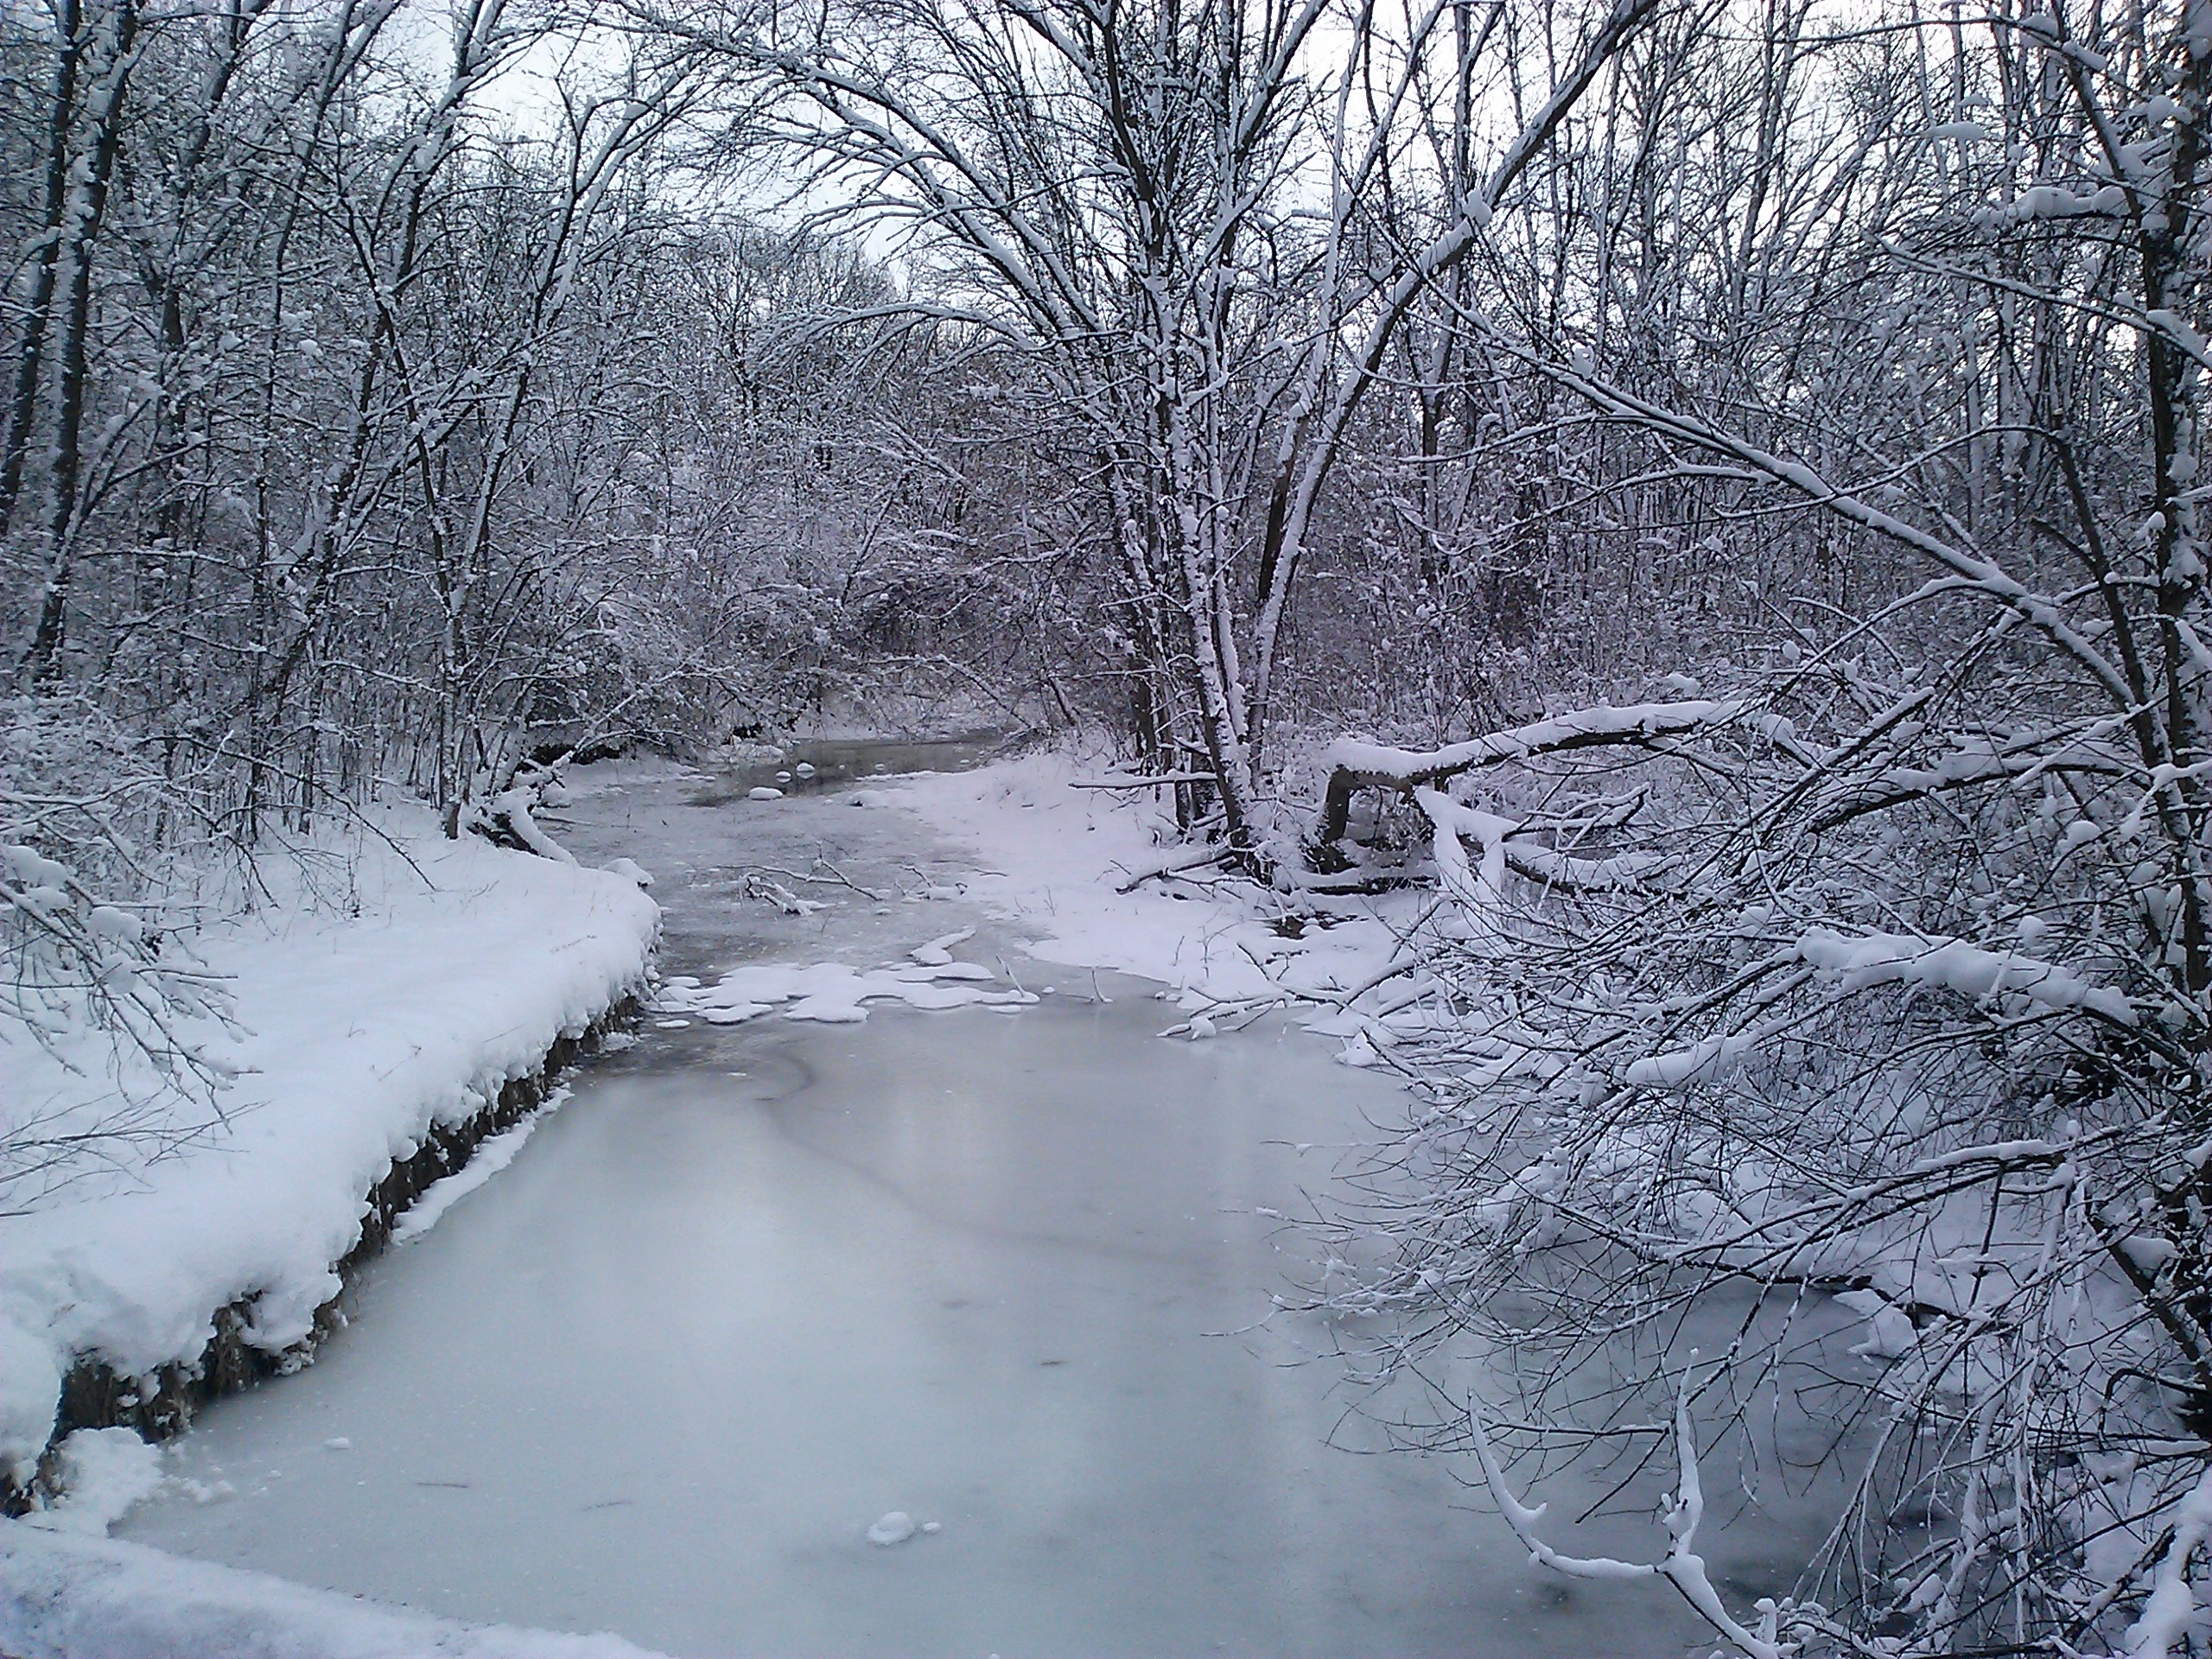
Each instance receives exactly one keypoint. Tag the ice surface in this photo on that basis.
(662, 1373)
(756, 1283)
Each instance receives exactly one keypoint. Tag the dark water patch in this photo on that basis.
(810, 766)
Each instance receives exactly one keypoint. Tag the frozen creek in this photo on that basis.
(756, 1285)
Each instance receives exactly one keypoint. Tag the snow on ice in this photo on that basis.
(896, 1526)
(831, 992)
(1056, 858)
(66, 1596)
(492, 1155)
(103, 1472)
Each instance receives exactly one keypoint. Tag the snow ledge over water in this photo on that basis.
(358, 1034)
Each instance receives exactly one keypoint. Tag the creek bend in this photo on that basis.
(753, 1286)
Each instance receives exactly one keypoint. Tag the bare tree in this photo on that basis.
(1868, 968)
(1174, 217)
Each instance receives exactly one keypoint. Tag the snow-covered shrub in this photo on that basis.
(1870, 983)
(101, 859)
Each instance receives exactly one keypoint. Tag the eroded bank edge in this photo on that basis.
(160, 1405)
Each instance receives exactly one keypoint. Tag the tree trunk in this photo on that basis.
(22, 403)
(82, 230)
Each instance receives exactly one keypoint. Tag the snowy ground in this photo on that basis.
(1057, 856)
(358, 1022)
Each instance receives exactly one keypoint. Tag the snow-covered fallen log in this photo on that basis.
(1162, 780)
(1354, 764)
(510, 816)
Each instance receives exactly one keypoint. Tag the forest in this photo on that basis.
(1697, 497)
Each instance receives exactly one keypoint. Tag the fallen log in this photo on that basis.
(1180, 863)
(1354, 764)
(1161, 780)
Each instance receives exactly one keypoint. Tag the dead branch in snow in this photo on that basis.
(1180, 862)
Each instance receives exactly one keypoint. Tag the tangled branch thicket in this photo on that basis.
(1806, 1004)
(1874, 968)
(362, 435)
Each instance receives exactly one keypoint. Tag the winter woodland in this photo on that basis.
(1704, 493)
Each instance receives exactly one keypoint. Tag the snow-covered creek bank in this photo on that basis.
(1003, 1269)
